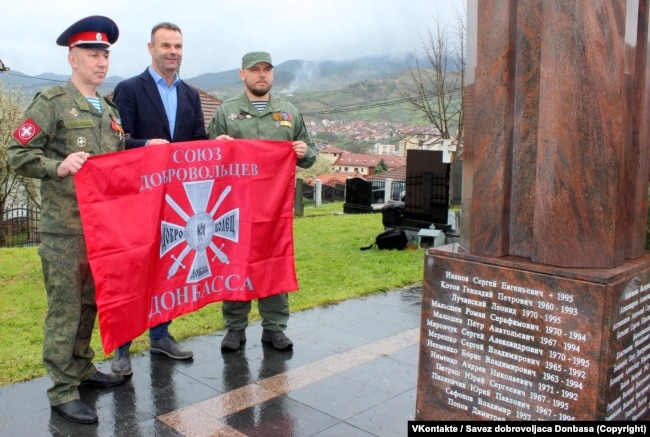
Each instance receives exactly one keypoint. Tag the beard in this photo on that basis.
(261, 90)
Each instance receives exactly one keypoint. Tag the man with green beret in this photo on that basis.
(258, 114)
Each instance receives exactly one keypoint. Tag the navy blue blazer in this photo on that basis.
(143, 114)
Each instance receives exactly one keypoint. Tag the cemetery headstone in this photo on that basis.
(358, 196)
(427, 188)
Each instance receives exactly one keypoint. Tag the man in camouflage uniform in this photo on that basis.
(63, 126)
(256, 114)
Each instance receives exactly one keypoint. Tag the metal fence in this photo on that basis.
(397, 190)
(20, 227)
(308, 192)
(334, 191)
(331, 192)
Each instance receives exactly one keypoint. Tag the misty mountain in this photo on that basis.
(293, 76)
(30, 85)
(302, 76)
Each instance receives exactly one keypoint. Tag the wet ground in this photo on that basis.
(352, 372)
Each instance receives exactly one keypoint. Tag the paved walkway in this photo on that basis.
(353, 372)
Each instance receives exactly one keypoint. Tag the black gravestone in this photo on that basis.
(358, 196)
(427, 188)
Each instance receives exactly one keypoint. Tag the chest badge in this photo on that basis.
(282, 119)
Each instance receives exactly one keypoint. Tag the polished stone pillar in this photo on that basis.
(555, 133)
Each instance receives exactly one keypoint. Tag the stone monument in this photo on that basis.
(358, 196)
(426, 200)
(542, 310)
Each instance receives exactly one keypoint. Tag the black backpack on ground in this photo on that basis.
(390, 239)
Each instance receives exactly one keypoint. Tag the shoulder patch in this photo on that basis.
(26, 131)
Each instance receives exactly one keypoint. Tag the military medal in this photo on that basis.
(116, 125)
(283, 119)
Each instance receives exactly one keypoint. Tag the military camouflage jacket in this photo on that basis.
(60, 121)
(280, 121)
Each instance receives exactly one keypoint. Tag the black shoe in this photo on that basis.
(100, 379)
(121, 364)
(278, 339)
(76, 411)
(168, 346)
(233, 339)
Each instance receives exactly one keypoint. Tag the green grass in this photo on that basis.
(329, 264)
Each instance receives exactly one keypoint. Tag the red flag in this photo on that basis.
(172, 228)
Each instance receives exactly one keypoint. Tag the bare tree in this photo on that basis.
(436, 78)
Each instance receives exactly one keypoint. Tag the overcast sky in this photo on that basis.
(216, 34)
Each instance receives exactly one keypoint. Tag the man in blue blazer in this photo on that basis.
(157, 107)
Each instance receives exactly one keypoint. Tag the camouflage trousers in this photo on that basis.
(71, 313)
(273, 309)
